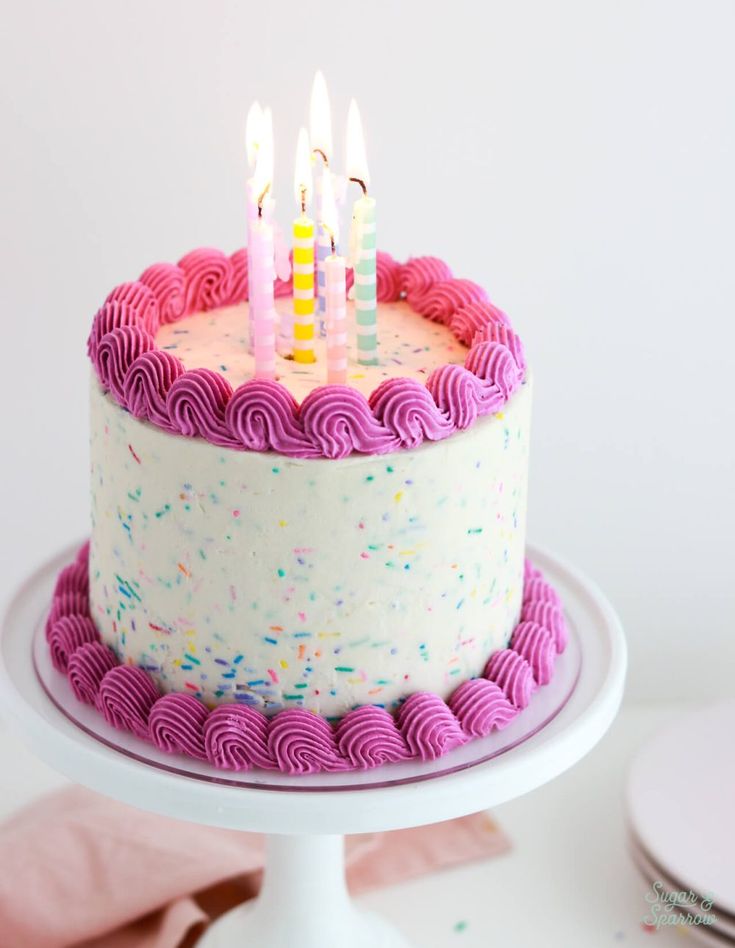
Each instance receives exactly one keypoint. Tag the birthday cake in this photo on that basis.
(308, 497)
(293, 575)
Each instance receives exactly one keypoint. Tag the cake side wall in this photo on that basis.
(250, 577)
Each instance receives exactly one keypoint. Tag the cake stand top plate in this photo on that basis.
(571, 714)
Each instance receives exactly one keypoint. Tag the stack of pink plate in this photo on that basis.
(681, 821)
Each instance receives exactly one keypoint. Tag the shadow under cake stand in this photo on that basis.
(306, 817)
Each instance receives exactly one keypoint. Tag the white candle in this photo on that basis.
(335, 294)
(320, 121)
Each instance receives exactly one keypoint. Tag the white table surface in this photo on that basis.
(568, 882)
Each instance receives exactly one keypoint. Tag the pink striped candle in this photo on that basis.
(262, 258)
(262, 302)
(252, 208)
(336, 294)
(321, 144)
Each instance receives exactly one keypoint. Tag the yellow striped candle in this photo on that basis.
(303, 289)
(303, 257)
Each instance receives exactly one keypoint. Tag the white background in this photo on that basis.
(576, 159)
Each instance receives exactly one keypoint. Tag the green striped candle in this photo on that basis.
(365, 291)
(362, 244)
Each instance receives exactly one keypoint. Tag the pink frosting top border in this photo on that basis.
(297, 741)
(333, 421)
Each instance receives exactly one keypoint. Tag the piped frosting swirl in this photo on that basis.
(428, 726)
(407, 409)
(176, 723)
(264, 415)
(208, 279)
(67, 634)
(418, 275)
(141, 300)
(481, 707)
(368, 737)
(338, 420)
(87, 666)
(236, 738)
(167, 282)
(303, 743)
(147, 384)
(126, 697)
(196, 404)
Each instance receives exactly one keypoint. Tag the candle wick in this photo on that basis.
(303, 199)
(362, 185)
(261, 198)
(318, 151)
(331, 236)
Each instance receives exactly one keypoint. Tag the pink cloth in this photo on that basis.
(79, 869)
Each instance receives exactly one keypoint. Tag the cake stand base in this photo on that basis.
(320, 911)
(304, 898)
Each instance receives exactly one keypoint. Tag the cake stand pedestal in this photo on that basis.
(304, 898)
(303, 901)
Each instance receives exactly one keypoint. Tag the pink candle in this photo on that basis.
(321, 144)
(262, 304)
(262, 274)
(252, 207)
(253, 136)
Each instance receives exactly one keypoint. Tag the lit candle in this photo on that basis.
(321, 145)
(253, 135)
(261, 274)
(362, 244)
(335, 292)
(303, 257)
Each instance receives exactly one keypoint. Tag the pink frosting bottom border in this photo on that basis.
(296, 741)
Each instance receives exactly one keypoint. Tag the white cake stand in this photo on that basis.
(306, 817)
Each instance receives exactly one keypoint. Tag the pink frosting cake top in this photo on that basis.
(332, 421)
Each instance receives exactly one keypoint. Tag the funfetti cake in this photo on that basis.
(289, 574)
(308, 496)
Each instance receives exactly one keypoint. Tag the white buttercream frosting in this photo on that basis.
(326, 584)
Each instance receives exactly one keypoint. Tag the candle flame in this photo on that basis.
(263, 176)
(302, 180)
(253, 132)
(357, 166)
(329, 219)
(320, 119)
